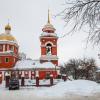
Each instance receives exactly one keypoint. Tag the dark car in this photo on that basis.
(13, 84)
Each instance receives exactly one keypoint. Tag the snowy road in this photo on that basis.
(30, 95)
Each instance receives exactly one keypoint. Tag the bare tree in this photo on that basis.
(80, 68)
(88, 68)
(84, 12)
(71, 67)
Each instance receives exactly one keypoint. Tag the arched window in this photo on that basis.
(48, 49)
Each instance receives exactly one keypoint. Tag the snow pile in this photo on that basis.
(70, 90)
(79, 87)
(2, 86)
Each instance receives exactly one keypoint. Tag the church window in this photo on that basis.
(6, 60)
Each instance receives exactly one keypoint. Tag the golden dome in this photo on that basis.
(8, 27)
(8, 37)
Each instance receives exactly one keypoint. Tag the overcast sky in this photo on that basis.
(27, 18)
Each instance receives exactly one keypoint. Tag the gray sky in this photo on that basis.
(27, 18)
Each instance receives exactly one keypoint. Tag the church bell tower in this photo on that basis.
(48, 41)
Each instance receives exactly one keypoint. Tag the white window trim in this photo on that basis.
(49, 42)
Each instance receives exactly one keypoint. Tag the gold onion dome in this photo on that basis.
(7, 37)
(8, 27)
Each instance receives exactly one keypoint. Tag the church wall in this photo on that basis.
(43, 51)
(54, 50)
(43, 74)
(9, 64)
(45, 40)
(29, 74)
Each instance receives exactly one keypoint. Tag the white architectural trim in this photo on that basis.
(37, 73)
(7, 47)
(49, 34)
(30, 74)
(45, 46)
(3, 75)
(22, 74)
(48, 43)
(9, 42)
(7, 54)
(58, 72)
(49, 37)
(48, 57)
(3, 47)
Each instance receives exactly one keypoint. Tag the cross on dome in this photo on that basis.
(48, 16)
(8, 27)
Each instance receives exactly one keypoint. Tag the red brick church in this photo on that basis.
(11, 60)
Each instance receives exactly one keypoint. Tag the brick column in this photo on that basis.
(7, 47)
(37, 78)
(7, 78)
(3, 75)
(22, 79)
(1, 78)
(37, 81)
(58, 74)
(64, 77)
(29, 74)
(51, 80)
(3, 47)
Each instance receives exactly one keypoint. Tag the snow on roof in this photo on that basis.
(29, 64)
(24, 64)
(9, 51)
(45, 65)
(48, 34)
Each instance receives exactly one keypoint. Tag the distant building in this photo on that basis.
(22, 56)
(12, 60)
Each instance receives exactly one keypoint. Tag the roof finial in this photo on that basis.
(8, 27)
(8, 21)
(48, 16)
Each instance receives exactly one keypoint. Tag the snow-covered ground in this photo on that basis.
(69, 90)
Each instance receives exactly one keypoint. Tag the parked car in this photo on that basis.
(14, 83)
